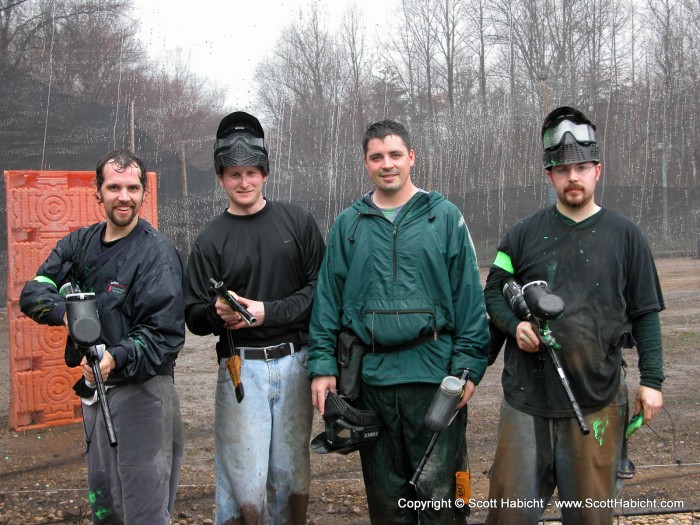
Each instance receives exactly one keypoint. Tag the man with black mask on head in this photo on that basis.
(268, 253)
(600, 264)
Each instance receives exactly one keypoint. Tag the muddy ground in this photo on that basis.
(42, 473)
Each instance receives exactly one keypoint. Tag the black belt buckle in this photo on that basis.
(279, 350)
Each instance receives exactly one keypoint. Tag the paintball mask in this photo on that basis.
(240, 141)
(568, 137)
(347, 428)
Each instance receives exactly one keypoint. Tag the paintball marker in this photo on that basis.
(536, 303)
(229, 299)
(441, 413)
(85, 330)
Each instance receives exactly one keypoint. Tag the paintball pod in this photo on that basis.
(229, 299)
(535, 302)
(85, 330)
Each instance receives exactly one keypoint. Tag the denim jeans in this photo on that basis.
(262, 444)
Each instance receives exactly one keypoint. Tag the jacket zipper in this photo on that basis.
(396, 234)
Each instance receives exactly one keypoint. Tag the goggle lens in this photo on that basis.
(583, 133)
(341, 434)
(232, 139)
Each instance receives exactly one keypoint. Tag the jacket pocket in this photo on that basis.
(394, 327)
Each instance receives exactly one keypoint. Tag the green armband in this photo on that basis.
(44, 279)
(503, 262)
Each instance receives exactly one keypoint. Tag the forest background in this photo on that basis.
(471, 79)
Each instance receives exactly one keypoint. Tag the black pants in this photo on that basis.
(389, 463)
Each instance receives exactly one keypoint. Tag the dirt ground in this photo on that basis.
(42, 472)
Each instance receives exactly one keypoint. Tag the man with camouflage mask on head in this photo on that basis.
(269, 253)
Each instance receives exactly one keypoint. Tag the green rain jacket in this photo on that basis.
(391, 283)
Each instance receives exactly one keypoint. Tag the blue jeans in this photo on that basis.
(261, 448)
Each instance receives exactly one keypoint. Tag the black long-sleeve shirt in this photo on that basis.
(272, 256)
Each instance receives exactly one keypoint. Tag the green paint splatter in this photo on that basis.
(599, 427)
(92, 496)
(103, 512)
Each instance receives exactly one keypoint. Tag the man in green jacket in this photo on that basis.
(400, 272)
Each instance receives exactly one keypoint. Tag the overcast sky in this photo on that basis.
(226, 39)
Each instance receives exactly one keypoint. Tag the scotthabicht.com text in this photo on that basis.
(612, 503)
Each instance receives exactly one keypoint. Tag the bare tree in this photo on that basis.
(356, 56)
(303, 90)
(421, 25)
(179, 109)
(399, 74)
(481, 42)
(450, 43)
(84, 45)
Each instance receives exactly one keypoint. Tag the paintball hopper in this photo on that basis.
(541, 301)
(347, 428)
(83, 320)
(533, 299)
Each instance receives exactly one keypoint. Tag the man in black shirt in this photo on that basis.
(600, 264)
(270, 254)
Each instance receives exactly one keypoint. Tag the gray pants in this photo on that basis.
(136, 482)
(536, 454)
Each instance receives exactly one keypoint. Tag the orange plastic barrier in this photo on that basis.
(42, 207)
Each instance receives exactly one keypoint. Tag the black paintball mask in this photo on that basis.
(568, 137)
(240, 141)
(347, 428)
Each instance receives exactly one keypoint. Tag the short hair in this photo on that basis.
(381, 130)
(122, 159)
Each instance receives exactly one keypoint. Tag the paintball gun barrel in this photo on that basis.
(228, 298)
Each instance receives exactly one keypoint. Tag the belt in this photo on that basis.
(268, 353)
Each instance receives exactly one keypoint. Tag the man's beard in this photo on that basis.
(578, 202)
(122, 222)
